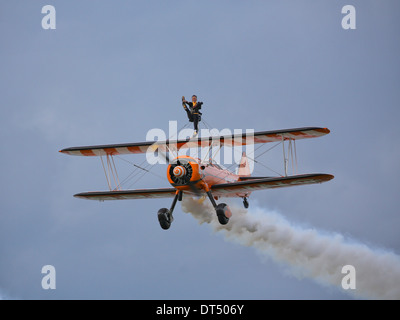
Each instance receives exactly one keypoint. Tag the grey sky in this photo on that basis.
(113, 70)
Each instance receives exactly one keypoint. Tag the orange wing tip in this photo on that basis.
(323, 130)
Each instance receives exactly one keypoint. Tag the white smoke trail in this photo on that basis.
(308, 252)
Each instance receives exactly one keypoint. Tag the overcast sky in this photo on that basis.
(113, 70)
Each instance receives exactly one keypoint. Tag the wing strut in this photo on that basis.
(291, 156)
(111, 172)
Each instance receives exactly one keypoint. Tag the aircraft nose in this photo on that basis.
(179, 171)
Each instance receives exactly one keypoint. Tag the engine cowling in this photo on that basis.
(183, 171)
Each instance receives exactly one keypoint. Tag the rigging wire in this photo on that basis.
(140, 170)
(207, 125)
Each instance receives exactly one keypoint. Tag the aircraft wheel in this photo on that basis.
(223, 213)
(245, 203)
(164, 218)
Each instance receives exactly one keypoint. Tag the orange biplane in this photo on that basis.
(193, 176)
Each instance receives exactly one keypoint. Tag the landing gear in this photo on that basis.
(165, 216)
(222, 210)
(245, 202)
(222, 213)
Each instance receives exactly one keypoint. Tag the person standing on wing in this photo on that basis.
(193, 112)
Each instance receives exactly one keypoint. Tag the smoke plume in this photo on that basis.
(307, 252)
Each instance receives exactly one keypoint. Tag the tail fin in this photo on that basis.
(244, 168)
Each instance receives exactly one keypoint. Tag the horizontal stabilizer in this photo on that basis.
(244, 167)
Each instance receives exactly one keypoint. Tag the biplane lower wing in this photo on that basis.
(220, 190)
(223, 140)
(128, 194)
(247, 186)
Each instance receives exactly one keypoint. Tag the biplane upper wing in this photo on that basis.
(128, 194)
(242, 187)
(223, 140)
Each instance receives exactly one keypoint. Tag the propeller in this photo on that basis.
(181, 173)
